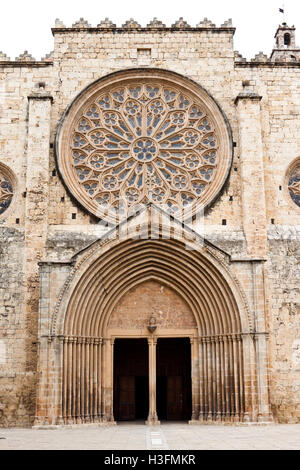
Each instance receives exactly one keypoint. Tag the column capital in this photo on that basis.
(152, 340)
(194, 339)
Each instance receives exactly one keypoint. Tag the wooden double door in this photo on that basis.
(173, 384)
(131, 379)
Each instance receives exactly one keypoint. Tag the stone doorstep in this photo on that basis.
(255, 423)
(110, 424)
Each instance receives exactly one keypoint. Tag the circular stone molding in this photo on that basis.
(293, 182)
(7, 188)
(144, 135)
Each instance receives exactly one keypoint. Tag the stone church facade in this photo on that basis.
(108, 312)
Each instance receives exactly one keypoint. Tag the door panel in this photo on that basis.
(175, 397)
(141, 398)
(126, 398)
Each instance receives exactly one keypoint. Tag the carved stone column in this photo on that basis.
(108, 416)
(152, 417)
(195, 379)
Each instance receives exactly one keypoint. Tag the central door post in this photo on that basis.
(152, 417)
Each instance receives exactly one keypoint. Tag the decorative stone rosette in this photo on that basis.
(143, 139)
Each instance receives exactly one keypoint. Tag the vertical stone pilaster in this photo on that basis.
(252, 173)
(260, 342)
(264, 411)
(36, 219)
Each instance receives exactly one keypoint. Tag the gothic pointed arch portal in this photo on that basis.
(202, 307)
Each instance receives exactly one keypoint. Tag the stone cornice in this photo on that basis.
(270, 64)
(40, 96)
(247, 259)
(28, 64)
(247, 96)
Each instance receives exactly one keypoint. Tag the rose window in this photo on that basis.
(6, 191)
(143, 140)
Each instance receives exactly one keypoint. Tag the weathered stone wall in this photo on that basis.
(17, 385)
(279, 88)
(284, 269)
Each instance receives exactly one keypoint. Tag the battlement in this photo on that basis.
(131, 24)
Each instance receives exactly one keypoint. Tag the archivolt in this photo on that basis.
(190, 273)
(102, 275)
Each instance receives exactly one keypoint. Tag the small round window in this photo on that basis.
(294, 182)
(6, 189)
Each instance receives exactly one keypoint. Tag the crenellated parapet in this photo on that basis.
(180, 24)
(238, 57)
(206, 23)
(81, 23)
(48, 57)
(132, 24)
(3, 57)
(25, 57)
(155, 23)
(106, 23)
(260, 57)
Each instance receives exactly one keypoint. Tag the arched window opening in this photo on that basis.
(287, 39)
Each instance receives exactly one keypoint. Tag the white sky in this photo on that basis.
(25, 24)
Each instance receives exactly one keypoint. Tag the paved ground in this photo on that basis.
(169, 436)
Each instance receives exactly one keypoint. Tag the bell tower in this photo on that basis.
(285, 49)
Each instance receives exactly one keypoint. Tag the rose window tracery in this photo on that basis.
(136, 131)
(144, 140)
(6, 191)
